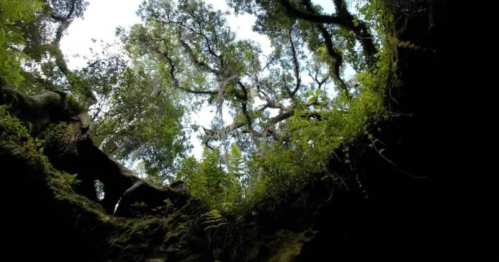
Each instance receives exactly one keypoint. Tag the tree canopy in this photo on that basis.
(289, 108)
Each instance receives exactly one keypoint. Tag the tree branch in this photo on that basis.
(343, 18)
(176, 83)
(295, 64)
(361, 30)
(199, 64)
(337, 58)
(314, 18)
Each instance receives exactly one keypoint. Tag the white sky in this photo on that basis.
(100, 23)
(102, 17)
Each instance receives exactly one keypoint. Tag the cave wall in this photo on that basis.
(413, 206)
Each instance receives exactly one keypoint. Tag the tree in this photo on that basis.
(15, 16)
(136, 121)
(283, 106)
(63, 97)
(132, 116)
(185, 55)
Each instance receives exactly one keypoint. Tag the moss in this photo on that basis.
(176, 237)
(122, 239)
(74, 104)
(11, 125)
(31, 149)
(286, 246)
(57, 133)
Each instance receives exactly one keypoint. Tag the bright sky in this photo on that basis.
(102, 17)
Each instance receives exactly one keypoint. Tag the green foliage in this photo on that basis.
(236, 162)
(236, 171)
(15, 136)
(196, 182)
(14, 16)
(73, 103)
(209, 181)
(316, 133)
(286, 245)
(212, 170)
(31, 60)
(285, 126)
(11, 124)
(201, 57)
(140, 124)
(134, 119)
